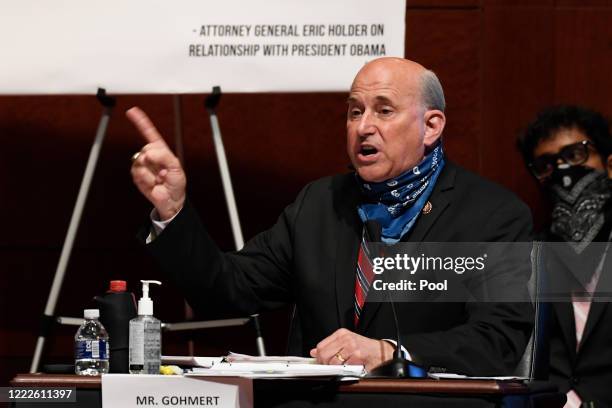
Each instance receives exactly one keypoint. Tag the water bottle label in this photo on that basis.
(91, 349)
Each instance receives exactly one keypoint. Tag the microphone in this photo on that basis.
(398, 366)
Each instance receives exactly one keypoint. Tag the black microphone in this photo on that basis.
(398, 366)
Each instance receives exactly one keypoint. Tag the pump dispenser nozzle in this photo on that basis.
(145, 303)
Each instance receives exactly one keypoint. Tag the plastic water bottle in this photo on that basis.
(91, 348)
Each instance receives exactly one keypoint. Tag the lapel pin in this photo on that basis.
(427, 208)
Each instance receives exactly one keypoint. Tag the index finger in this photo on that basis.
(144, 125)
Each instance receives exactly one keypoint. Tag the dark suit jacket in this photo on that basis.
(309, 258)
(588, 370)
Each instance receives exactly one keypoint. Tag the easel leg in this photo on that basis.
(108, 103)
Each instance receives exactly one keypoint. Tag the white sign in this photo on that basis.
(189, 46)
(131, 391)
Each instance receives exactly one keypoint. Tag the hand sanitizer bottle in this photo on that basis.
(145, 336)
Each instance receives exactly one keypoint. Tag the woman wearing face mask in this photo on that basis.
(568, 149)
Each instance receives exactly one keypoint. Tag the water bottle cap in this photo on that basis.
(118, 286)
(91, 313)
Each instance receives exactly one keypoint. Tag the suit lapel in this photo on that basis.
(439, 200)
(595, 312)
(439, 203)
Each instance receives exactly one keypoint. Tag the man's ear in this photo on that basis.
(609, 166)
(434, 125)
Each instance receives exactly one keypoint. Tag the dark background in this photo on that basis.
(500, 61)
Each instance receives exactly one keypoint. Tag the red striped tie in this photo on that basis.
(363, 279)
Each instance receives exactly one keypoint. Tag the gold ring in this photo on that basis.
(340, 358)
(135, 156)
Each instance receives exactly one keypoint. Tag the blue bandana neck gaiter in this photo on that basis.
(396, 203)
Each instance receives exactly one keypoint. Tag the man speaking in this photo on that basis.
(314, 256)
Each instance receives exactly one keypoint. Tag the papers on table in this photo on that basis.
(245, 358)
(207, 362)
(246, 366)
(242, 365)
(191, 361)
(279, 370)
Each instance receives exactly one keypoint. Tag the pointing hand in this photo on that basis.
(156, 171)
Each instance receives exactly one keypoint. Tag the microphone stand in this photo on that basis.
(398, 366)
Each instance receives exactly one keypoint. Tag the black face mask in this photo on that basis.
(581, 197)
(566, 176)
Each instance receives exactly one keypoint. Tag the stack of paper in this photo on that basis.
(278, 370)
(242, 365)
(191, 361)
(245, 358)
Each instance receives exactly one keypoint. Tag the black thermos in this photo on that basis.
(117, 308)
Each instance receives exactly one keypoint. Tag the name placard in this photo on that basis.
(189, 46)
(138, 391)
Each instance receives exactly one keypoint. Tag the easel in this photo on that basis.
(108, 103)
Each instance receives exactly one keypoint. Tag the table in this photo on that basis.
(366, 392)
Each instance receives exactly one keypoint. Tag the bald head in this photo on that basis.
(401, 65)
(410, 77)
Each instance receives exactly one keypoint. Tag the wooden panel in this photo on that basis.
(57, 380)
(46, 141)
(88, 275)
(451, 387)
(453, 53)
(275, 145)
(583, 56)
(518, 81)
